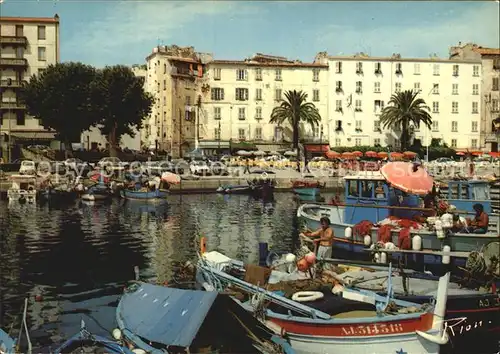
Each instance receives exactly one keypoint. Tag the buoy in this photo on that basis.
(348, 232)
(377, 257)
(290, 258)
(446, 259)
(439, 229)
(203, 244)
(138, 351)
(117, 334)
(302, 265)
(416, 243)
(383, 257)
(310, 258)
(304, 296)
(367, 240)
(372, 246)
(389, 246)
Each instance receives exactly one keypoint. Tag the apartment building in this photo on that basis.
(360, 86)
(490, 88)
(174, 76)
(240, 95)
(28, 46)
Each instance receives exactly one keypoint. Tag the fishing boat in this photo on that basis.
(307, 186)
(143, 194)
(328, 321)
(9, 345)
(97, 192)
(235, 189)
(372, 202)
(23, 189)
(156, 319)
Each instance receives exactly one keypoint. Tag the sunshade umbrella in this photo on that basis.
(371, 154)
(408, 177)
(170, 177)
(243, 153)
(259, 153)
(357, 153)
(383, 154)
(396, 155)
(409, 154)
(347, 155)
(290, 153)
(332, 154)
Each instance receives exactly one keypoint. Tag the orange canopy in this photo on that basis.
(357, 153)
(408, 178)
(371, 154)
(332, 154)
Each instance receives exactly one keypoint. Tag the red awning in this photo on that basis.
(317, 148)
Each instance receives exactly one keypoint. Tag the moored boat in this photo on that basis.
(143, 194)
(97, 192)
(307, 187)
(23, 189)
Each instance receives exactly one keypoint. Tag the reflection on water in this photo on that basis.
(72, 261)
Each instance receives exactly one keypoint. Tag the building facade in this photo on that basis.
(490, 88)
(28, 46)
(360, 86)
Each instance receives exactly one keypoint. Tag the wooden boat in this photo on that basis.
(307, 187)
(23, 189)
(97, 192)
(235, 189)
(350, 323)
(155, 318)
(143, 195)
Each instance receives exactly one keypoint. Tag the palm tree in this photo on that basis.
(294, 110)
(405, 108)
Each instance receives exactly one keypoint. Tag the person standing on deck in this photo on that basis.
(323, 236)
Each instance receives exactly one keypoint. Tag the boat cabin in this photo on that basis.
(464, 194)
(23, 182)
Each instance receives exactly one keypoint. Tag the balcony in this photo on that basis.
(12, 106)
(13, 62)
(13, 41)
(11, 83)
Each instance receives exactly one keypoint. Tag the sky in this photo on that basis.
(124, 32)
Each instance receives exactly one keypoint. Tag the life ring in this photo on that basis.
(306, 296)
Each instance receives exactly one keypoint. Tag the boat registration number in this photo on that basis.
(488, 303)
(373, 329)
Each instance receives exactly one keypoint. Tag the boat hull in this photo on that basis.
(313, 192)
(138, 195)
(21, 196)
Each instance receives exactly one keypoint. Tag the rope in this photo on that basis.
(475, 263)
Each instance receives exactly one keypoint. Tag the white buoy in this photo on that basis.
(446, 259)
(377, 257)
(138, 351)
(117, 334)
(372, 246)
(348, 232)
(389, 246)
(290, 258)
(416, 243)
(367, 240)
(439, 229)
(383, 257)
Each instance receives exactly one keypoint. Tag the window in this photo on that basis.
(258, 133)
(397, 88)
(277, 94)
(338, 67)
(19, 30)
(338, 105)
(188, 100)
(435, 69)
(475, 70)
(258, 74)
(217, 94)
(241, 134)
(378, 106)
(376, 87)
(397, 143)
(435, 89)
(435, 107)
(416, 69)
(454, 107)
(277, 134)
(41, 33)
(241, 94)
(359, 125)
(158, 89)
(494, 105)
(217, 113)
(453, 143)
(258, 94)
(241, 113)
(164, 85)
(278, 75)
(475, 89)
(217, 133)
(20, 118)
(338, 125)
(316, 95)
(338, 86)
(475, 107)
(359, 87)
(358, 106)
(378, 68)
(376, 126)
(435, 126)
(315, 75)
(217, 73)
(454, 89)
(359, 67)
(41, 54)
(494, 84)
(474, 127)
(241, 75)
(338, 142)
(416, 86)
(399, 69)
(357, 142)
(19, 53)
(473, 143)
(455, 70)
(454, 126)
(376, 141)
(258, 112)
(165, 69)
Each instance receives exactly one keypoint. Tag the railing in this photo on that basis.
(13, 62)
(14, 40)
(11, 83)
(12, 105)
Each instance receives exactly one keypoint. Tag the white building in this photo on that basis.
(360, 86)
(28, 46)
(93, 139)
(239, 96)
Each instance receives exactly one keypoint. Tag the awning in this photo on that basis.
(317, 148)
(36, 135)
(213, 144)
(243, 146)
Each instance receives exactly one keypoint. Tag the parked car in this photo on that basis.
(28, 167)
(200, 168)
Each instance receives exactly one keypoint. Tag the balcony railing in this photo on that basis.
(16, 62)
(12, 105)
(13, 41)
(11, 83)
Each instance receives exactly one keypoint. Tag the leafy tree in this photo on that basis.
(405, 108)
(61, 97)
(294, 110)
(123, 103)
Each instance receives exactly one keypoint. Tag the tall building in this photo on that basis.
(360, 86)
(28, 46)
(490, 88)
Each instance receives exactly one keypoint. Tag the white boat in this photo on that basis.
(23, 189)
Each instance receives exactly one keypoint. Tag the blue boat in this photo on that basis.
(370, 198)
(307, 186)
(154, 318)
(143, 195)
(311, 192)
(7, 344)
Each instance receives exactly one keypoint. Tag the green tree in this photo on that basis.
(405, 108)
(123, 103)
(61, 97)
(294, 110)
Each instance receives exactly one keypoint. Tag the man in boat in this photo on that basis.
(323, 236)
(478, 225)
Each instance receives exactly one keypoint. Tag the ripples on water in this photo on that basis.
(78, 257)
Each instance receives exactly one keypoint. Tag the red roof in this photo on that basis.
(54, 19)
(487, 51)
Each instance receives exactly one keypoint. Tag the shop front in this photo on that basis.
(214, 147)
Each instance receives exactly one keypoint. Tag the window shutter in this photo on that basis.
(213, 94)
(222, 94)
